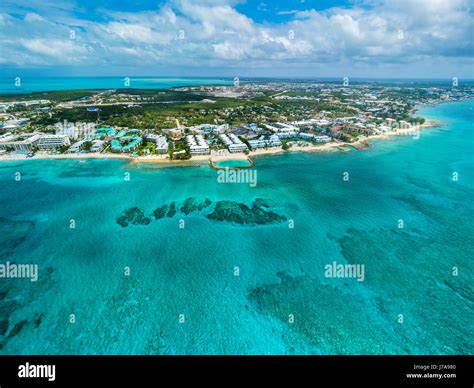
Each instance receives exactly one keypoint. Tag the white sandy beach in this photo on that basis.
(202, 159)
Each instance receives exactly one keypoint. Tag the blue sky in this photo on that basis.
(287, 38)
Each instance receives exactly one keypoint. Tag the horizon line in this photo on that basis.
(247, 77)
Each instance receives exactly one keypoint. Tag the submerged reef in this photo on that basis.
(229, 211)
(133, 216)
(191, 205)
(160, 212)
(13, 233)
(240, 213)
(172, 210)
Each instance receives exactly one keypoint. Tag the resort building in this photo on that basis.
(323, 123)
(225, 139)
(76, 147)
(305, 123)
(126, 140)
(254, 128)
(97, 145)
(274, 141)
(316, 138)
(391, 122)
(197, 145)
(238, 145)
(48, 142)
(404, 124)
(233, 143)
(254, 144)
(116, 146)
(74, 130)
(265, 141)
(281, 127)
(304, 135)
(322, 139)
(13, 124)
(103, 133)
(175, 133)
(221, 129)
(203, 129)
(286, 135)
(160, 141)
(23, 143)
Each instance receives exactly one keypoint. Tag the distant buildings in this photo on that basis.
(74, 130)
(286, 135)
(202, 129)
(4, 106)
(220, 129)
(306, 123)
(12, 124)
(254, 128)
(281, 127)
(174, 133)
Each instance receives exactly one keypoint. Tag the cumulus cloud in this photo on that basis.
(205, 32)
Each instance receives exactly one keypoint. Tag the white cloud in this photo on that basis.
(60, 50)
(216, 34)
(291, 12)
(32, 17)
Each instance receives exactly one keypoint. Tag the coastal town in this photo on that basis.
(213, 122)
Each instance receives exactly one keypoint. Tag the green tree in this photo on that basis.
(87, 146)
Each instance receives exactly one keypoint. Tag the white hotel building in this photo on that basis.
(262, 142)
(233, 143)
(160, 141)
(316, 138)
(197, 145)
(48, 142)
(26, 143)
(281, 127)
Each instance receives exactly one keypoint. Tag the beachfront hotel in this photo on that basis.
(76, 147)
(265, 141)
(197, 145)
(48, 142)
(233, 143)
(28, 142)
(313, 137)
(97, 145)
(126, 140)
(160, 142)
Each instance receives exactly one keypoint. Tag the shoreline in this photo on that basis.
(164, 160)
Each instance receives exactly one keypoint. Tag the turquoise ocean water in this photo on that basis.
(190, 270)
(44, 84)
